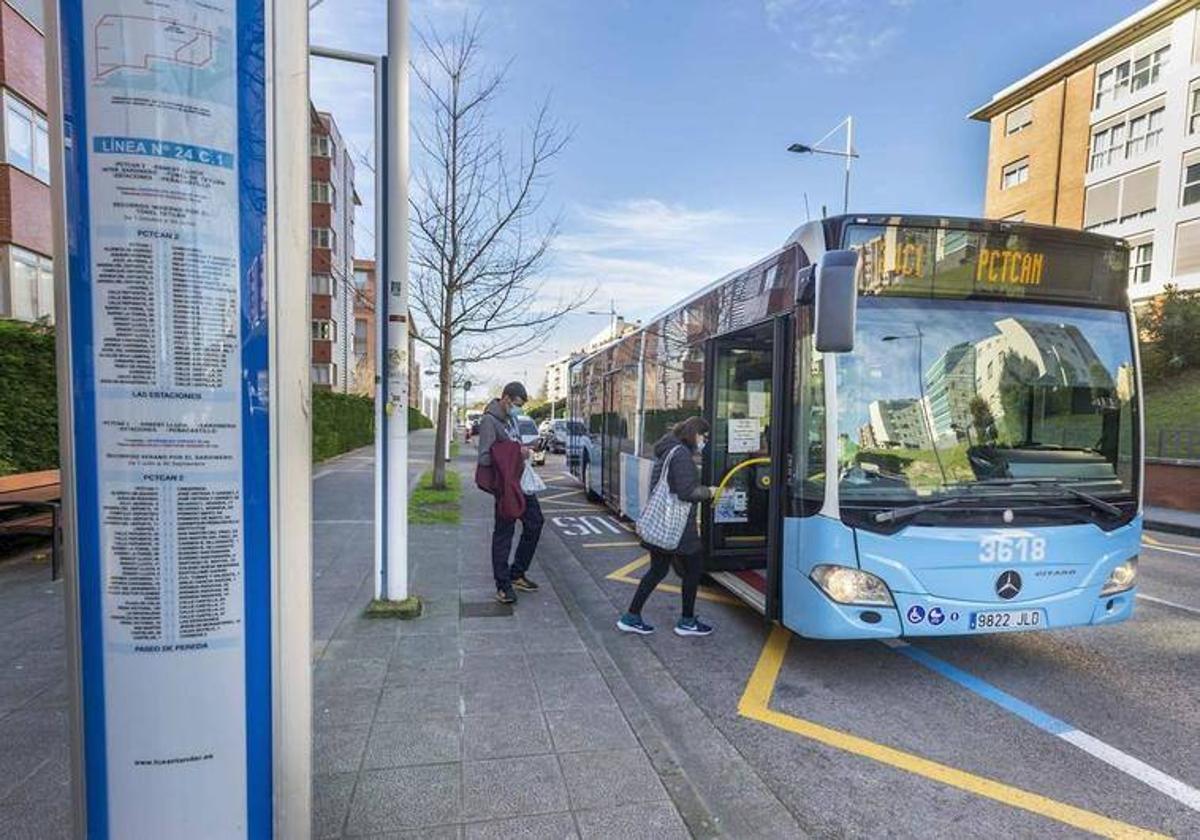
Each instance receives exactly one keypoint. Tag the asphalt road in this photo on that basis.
(1059, 733)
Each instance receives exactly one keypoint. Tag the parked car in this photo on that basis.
(530, 437)
(562, 431)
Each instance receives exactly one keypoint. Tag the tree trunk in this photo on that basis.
(445, 395)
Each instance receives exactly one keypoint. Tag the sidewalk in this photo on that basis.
(1183, 522)
(475, 720)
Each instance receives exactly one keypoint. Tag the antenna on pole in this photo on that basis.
(807, 215)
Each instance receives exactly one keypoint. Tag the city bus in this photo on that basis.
(920, 426)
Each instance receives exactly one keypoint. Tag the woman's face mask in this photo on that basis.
(700, 442)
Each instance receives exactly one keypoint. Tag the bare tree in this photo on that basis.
(478, 243)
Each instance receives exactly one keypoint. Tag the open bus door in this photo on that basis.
(747, 394)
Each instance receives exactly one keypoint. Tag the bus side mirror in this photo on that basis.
(836, 300)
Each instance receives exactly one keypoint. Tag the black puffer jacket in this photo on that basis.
(684, 481)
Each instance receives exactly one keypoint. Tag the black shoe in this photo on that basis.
(524, 584)
(506, 596)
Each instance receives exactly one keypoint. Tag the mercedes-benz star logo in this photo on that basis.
(1008, 585)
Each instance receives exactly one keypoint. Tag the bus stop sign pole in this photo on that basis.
(180, 189)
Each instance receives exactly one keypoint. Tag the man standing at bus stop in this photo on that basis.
(499, 423)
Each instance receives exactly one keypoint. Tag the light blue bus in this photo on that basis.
(921, 426)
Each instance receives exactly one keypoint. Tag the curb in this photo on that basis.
(1170, 527)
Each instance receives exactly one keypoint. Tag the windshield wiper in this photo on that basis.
(1094, 501)
(906, 511)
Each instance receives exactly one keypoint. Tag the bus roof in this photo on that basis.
(816, 237)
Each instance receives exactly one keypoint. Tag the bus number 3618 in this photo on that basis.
(999, 548)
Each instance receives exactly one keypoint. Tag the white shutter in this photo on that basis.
(1101, 203)
(1140, 192)
(1018, 117)
(1187, 249)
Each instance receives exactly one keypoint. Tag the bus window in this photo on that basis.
(808, 450)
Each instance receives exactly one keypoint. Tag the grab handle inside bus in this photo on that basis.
(836, 300)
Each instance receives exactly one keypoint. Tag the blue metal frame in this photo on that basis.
(257, 582)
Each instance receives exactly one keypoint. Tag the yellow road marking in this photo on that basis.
(623, 575)
(609, 544)
(755, 704)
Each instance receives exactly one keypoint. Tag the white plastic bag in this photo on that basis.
(531, 482)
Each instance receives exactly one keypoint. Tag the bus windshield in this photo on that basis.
(944, 398)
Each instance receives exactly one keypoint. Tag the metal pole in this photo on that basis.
(849, 158)
(397, 294)
(288, 253)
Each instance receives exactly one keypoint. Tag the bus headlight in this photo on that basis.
(851, 586)
(1121, 578)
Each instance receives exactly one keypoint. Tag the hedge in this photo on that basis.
(29, 419)
(342, 422)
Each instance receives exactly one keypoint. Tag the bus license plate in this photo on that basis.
(1007, 620)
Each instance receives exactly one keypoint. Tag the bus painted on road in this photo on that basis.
(964, 458)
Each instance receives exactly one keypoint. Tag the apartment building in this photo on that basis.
(1106, 137)
(26, 241)
(331, 276)
(365, 333)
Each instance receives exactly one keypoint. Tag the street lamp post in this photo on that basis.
(920, 337)
(611, 312)
(848, 154)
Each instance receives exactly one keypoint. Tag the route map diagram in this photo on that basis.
(139, 43)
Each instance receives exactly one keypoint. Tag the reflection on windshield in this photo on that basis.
(937, 398)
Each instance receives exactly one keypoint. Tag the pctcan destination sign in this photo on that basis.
(165, 183)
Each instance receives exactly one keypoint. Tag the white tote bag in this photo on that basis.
(531, 482)
(665, 515)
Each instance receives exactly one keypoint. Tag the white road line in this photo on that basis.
(1140, 770)
(1170, 550)
(1167, 603)
(1135, 768)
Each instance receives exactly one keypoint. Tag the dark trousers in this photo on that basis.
(660, 564)
(502, 537)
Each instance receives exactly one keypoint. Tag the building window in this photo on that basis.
(1019, 118)
(361, 326)
(1191, 179)
(320, 374)
(1133, 196)
(323, 238)
(26, 138)
(26, 285)
(1015, 173)
(319, 284)
(1112, 84)
(1141, 255)
(322, 192)
(1194, 107)
(1144, 132)
(361, 277)
(320, 145)
(323, 330)
(1148, 68)
(1187, 249)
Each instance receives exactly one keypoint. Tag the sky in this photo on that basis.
(680, 114)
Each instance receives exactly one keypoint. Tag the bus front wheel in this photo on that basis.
(587, 481)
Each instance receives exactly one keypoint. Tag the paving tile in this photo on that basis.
(557, 639)
(346, 674)
(609, 778)
(579, 729)
(404, 798)
(433, 697)
(441, 832)
(549, 666)
(346, 707)
(418, 740)
(510, 787)
(542, 827)
(339, 749)
(34, 808)
(658, 820)
(572, 692)
(29, 737)
(497, 642)
(379, 647)
(505, 735)
(488, 697)
(331, 799)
